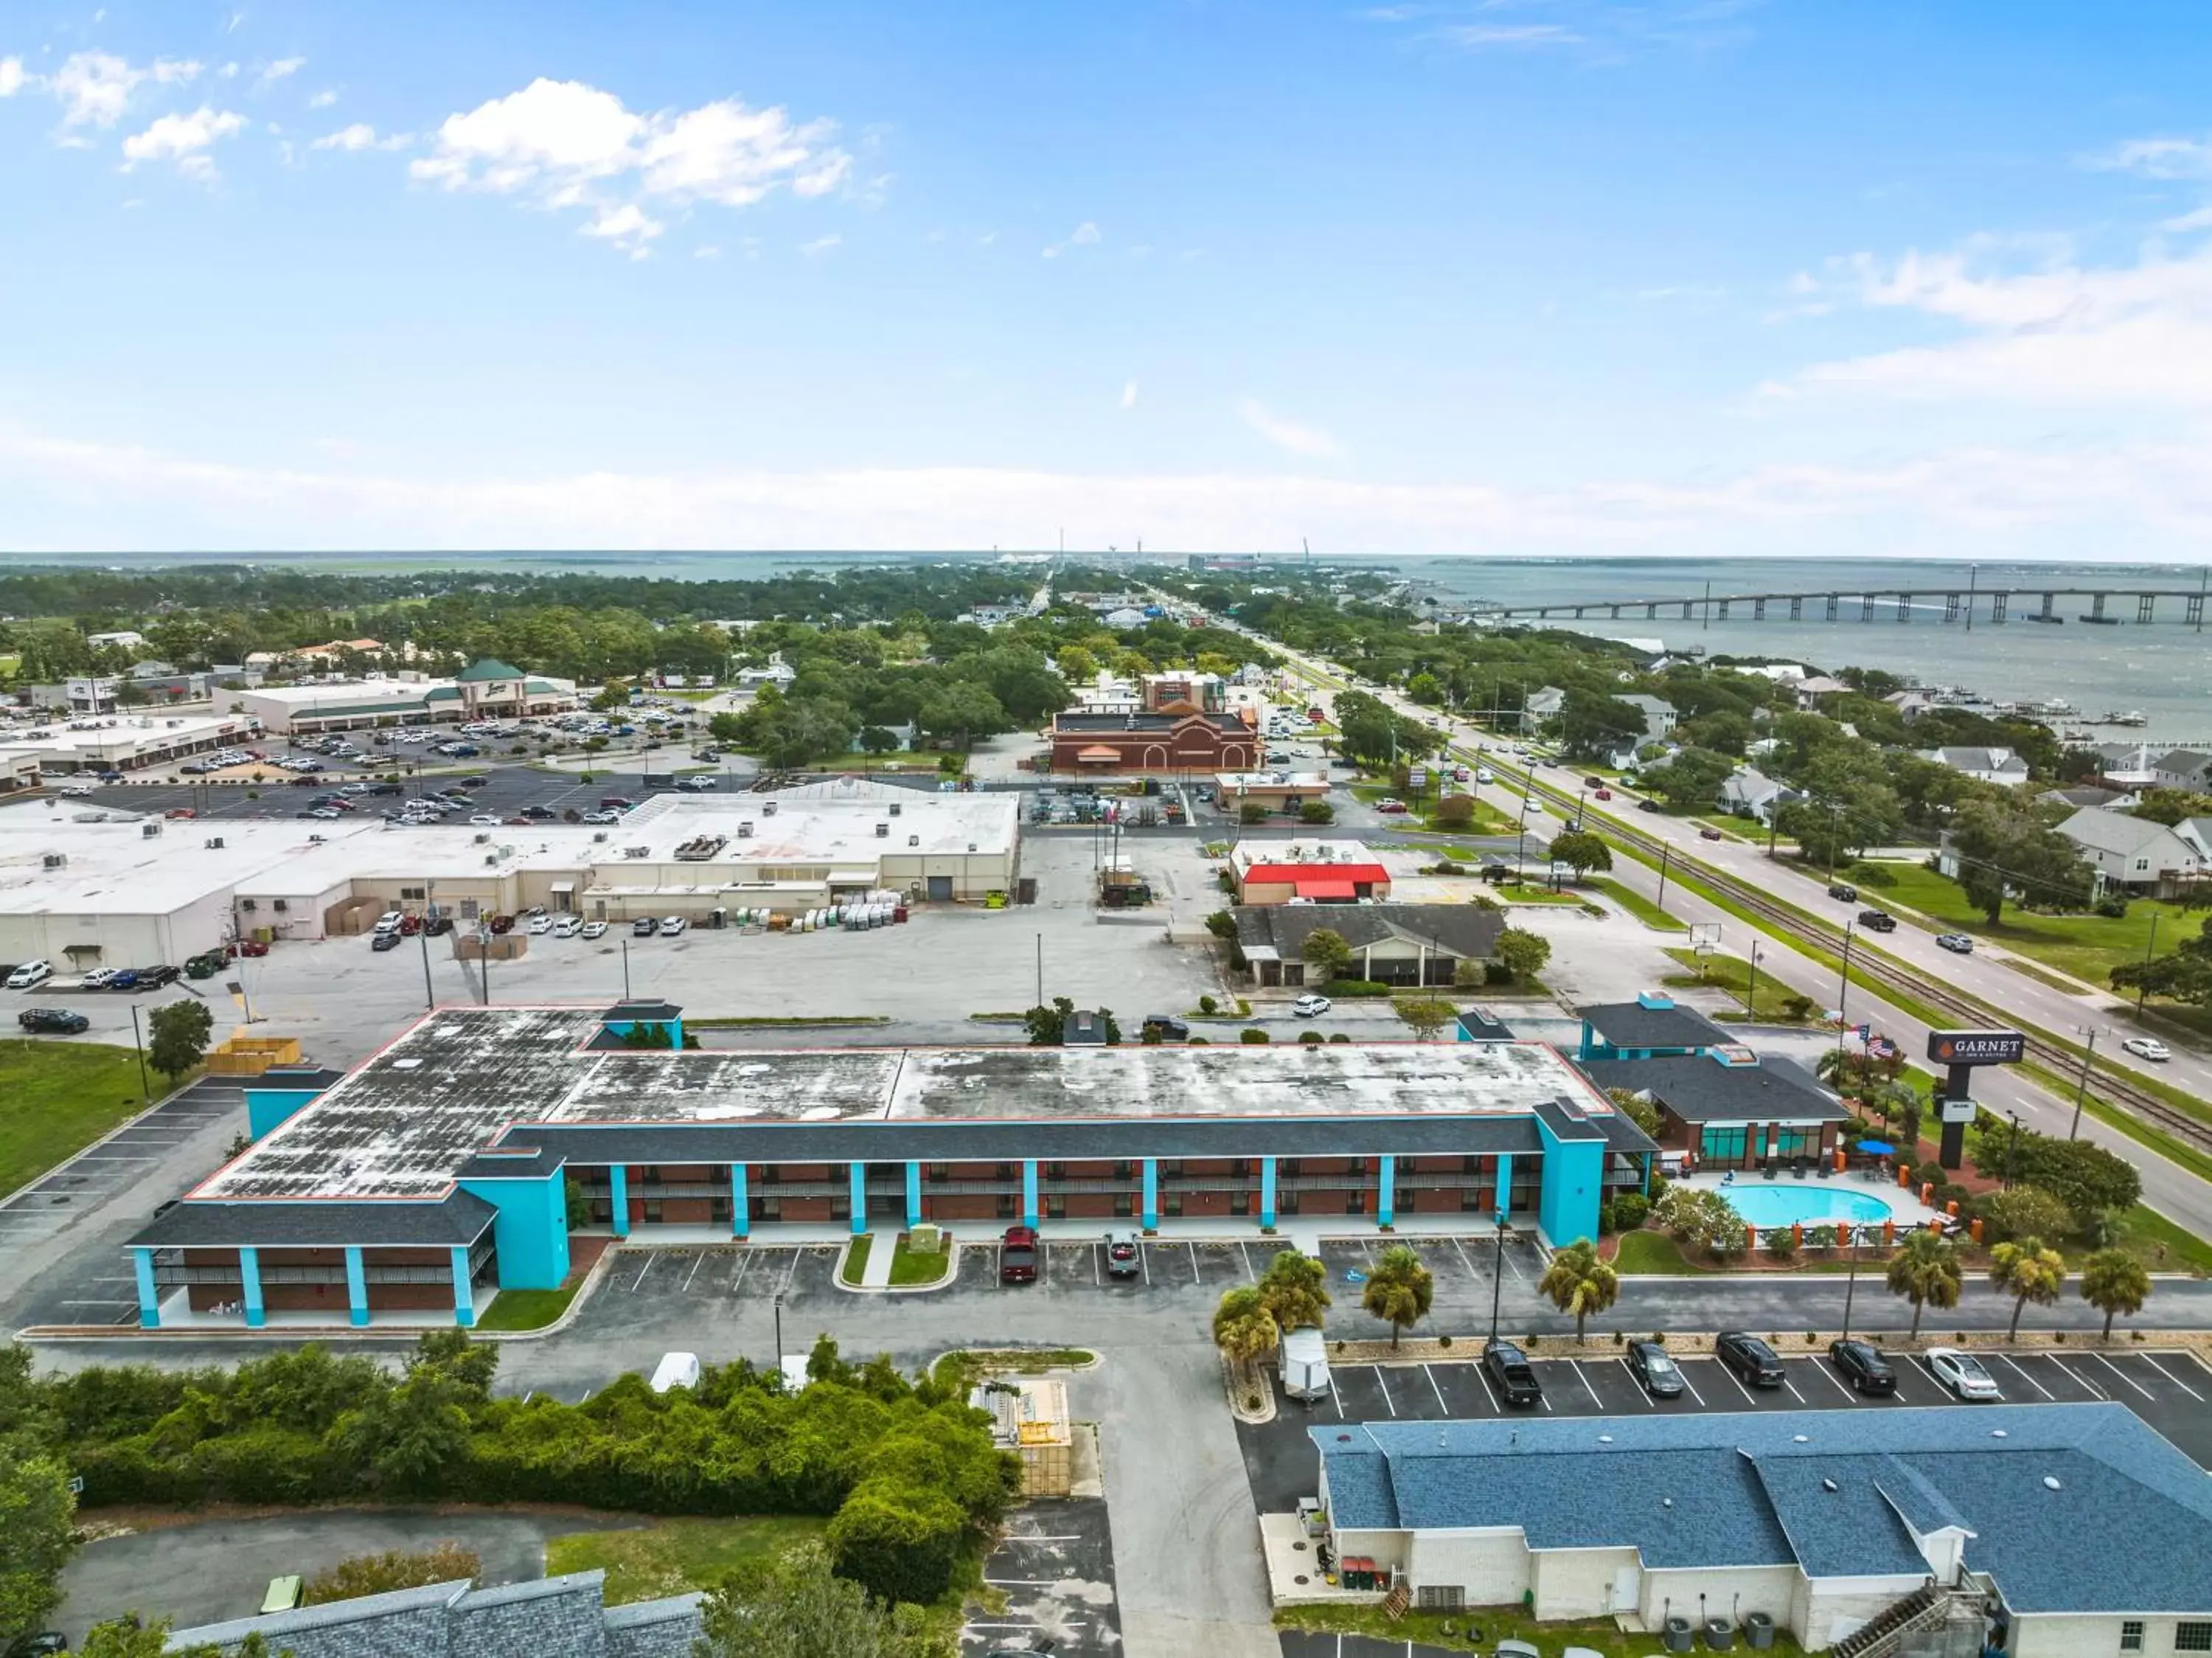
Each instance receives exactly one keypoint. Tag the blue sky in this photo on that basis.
(1499, 277)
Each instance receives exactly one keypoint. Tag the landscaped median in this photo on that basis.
(923, 1262)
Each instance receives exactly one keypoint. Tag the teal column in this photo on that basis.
(1267, 1192)
(1151, 1194)
(1028, 1191)
(357, 1285)
(618, 1178)
(913, 1194)
(859, 1178)
(1504, 1183)
(1386, 1193)
(249, 1275)
(741, 1218)
(149, 1300)
(464, 1298)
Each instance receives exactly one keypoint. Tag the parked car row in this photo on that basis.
(29, 975)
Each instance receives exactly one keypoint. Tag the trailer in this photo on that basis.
(1304, 1362)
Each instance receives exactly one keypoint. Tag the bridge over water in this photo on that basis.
(2106, 606)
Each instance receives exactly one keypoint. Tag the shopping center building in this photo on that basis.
(446, 1167)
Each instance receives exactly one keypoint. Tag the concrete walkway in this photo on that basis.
(876, 1274)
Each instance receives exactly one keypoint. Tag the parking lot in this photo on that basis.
(1055, 1567)
(505, 790)
(2168, 1389)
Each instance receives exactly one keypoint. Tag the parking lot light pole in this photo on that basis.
(625, 944)
(484, 960)
(779, 1332)
(145, 1089)
(429, 914)
(1851, 1284)
(1843, 997)
(1498, 1277)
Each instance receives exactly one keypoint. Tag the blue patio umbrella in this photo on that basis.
(1876, 1148)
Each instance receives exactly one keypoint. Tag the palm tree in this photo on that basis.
(1243, 1329)
(2032, 1270)
(1398, 1290)
(1293, 1290)
(1926, 1272)
(2114, 1281)
(1579, 1283)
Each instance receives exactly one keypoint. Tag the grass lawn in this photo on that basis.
(2087, 945)
(918, 1265)
(1775, 1000)
(856, 1258)
(1651, 1253)
(2161, 1245)
(1733, 827)
(529, 1309)
(671, 1556)
(56, 1098)
(1480, 1628)
(1636, 905)
(1487, 820)
(1528, 892)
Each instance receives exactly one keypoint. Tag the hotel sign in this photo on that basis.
(1977, 1047)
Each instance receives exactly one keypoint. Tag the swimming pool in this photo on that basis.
(1765, 1204)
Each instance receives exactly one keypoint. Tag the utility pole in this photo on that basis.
(625, 944)
(2149, 950)
(1751, 994)
(430, 915)
(1498, 1277)
(1666, 851)
(145, 1088)
(1843, 999)
(1040, 969)
(2081, 1086)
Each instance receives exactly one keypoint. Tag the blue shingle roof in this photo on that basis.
(1753, 1490)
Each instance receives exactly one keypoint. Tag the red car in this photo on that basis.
(240, 947)
(1604, 794)
(180, 814)
(1018, 1256)
(1709, 834)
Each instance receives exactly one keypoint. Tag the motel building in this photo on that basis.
(415, 1188)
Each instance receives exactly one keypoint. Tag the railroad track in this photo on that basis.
(2114, 1087)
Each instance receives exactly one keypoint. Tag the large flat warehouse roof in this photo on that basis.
(406, 1123)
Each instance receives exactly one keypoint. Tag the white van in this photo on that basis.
(676, 1371)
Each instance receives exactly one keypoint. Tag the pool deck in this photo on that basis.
(1905, 1206)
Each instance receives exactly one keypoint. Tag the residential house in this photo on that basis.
(2132, 853)
(2183, 768)
(1123, 619)
(1541, 707)
(777, 672)
(2075, 1529)
(1658, 716)
(1984, 764)
(1809, 690)
(2086, 794)
(1391, 943)
(1749, 792)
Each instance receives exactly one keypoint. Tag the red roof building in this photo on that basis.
(1323, 883)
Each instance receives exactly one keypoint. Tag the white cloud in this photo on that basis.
(12, 78)
(1084, 235)
(1309, 440)
(2128, 336)
(821, 245)
(2132, 502)
(228, 71)
(361, 136)
(2197, 219)
(565, 144)
(2159, 158)
(1129, 394)
(184, 139)
(324, 99)
(626, 227)
(1477, 36)
(706, 252)
(282, 68)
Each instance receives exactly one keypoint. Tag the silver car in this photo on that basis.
(1962, 1372)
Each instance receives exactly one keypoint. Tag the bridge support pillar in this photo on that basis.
(2096, 607)
(1903, 606)
(1866, 607)
(1951, 606)
(1834, 598)
(1616, 613)
(1578, 612)
(1997, 608)
(1722, 614)
(2194, 615)
(1759, 610)
(1796, 606)
(2144, 604)
(1689, 609)
(1651, 613)
(2045, 613)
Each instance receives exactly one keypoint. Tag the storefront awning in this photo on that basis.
(1343, 889)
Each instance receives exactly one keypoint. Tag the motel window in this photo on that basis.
(1287, 1168)
(1056, 1208)
(2192, 1638)
(412, 892)
(1005, 1171)
(1171, 1166)
(1123, 1208)
(2131, 1635)
(1358, 1166)
(652, 1213)
(1722, 1145)
(1795, 1142)
(1005, 1206)
(1240, 1203)
(940, 1171)
(1171, 1203)
(1355, 1203)
(1055, 1171)
(1123, 1169)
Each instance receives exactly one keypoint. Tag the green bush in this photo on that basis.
(1352, 989)
(1607, 1218)
(1339, 1036)
(898, 1541)
(1252, 1036)
(1497, 972)
(1207, 1005)
(1309, 1038)
(1631, 1210)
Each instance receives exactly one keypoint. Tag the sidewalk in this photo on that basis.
(876, 1275)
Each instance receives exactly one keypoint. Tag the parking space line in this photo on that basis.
(2095, 1391)
(1336, 1398)
(1687, 1383)
(1250, 1277)
(2124, 1376)
(745, 1261)
(1145, 1260)
(1194, 1275)
(2153, 1363)
(2024, 1377)
(1484, 1378)
(1507, 1257)
(1575, 1365)
(1095, 1280)
(1636, 1387)
(1791, 1386)
(694, 1272)
(1738, 1385)
(1834, 1380)
(650, 1256)
(789, 1272)
(1382, 1388)
(1465, 1259)
(1436, 1388)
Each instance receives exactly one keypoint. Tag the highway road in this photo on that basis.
(2171, 1189)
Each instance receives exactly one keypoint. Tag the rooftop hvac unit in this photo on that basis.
(744, 828)
(147, 831)
(56, 860)
(484, 839)
(971, 845)
(914, 840)
(315, 840)
(895, 809)
(214, 843)
(598, 834)
(491, 858)
(768, 809)
(883, 830)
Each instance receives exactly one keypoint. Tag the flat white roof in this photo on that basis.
(108, 730)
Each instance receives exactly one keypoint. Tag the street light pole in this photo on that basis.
(1851, 1284)
(484, 960)
(1666, 851)
(1498, 1277)
(145, 1089)
(779, 1332)
(625, 944)
(1751, 993)
(1843, 999)
(2081, 1087)
(430, 915)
